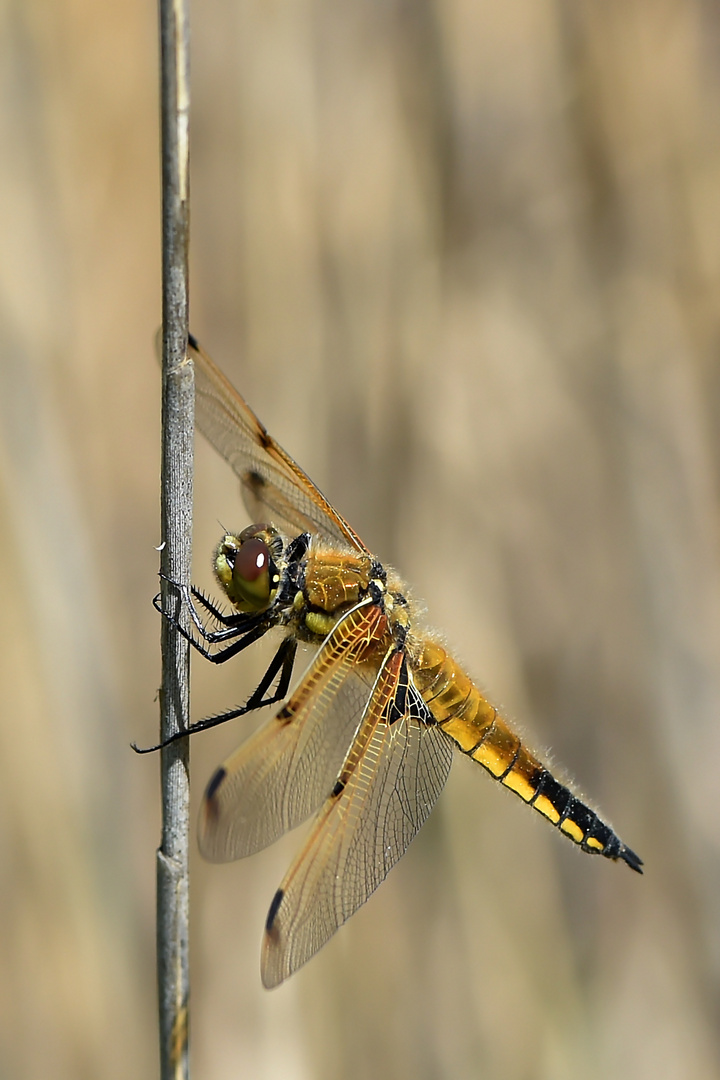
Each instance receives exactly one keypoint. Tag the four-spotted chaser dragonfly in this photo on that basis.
(366, 739)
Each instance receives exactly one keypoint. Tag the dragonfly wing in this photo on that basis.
(388, 784)
(274, 487)
(281, 775)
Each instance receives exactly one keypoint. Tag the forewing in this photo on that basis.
(389, 782)
(281, 775)
(274, 487)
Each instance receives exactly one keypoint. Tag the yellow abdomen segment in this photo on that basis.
(474, 725)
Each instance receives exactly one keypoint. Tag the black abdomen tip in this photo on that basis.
(634, 861)
(276, 902)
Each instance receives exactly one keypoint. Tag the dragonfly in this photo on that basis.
(365, 739)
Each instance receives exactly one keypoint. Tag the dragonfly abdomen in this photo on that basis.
(475, 726)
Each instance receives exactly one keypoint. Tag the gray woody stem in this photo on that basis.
(176, 530)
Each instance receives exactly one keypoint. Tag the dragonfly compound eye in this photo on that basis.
(243, 569)
(251, 575)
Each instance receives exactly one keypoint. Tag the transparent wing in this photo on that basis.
(389, 782)
(274, 487)
(282, 773)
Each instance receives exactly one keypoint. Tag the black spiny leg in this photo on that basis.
(186, 595)
(217, 613)
(233, 625)
(283, 661)
(248, 628)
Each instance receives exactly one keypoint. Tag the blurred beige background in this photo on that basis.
(463, 258)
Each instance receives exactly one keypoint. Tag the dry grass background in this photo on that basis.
(463, 258)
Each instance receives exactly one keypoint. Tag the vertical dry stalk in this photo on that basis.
(176, 522)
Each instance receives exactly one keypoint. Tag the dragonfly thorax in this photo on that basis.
(335, 580)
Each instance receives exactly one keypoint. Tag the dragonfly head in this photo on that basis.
(245, 567)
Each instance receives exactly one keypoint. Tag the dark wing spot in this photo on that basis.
(276, 902)
(215, 782)
(266, 441)
(254, 481)
(338, 789)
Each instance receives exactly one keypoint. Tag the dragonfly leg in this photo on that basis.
(217, 613)
(236, 621)
(249, 637)
(246, 627)
(283, 661)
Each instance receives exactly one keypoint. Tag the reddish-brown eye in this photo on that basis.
(251, 575)
(251, 560)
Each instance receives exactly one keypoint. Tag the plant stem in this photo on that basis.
(178, 403)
